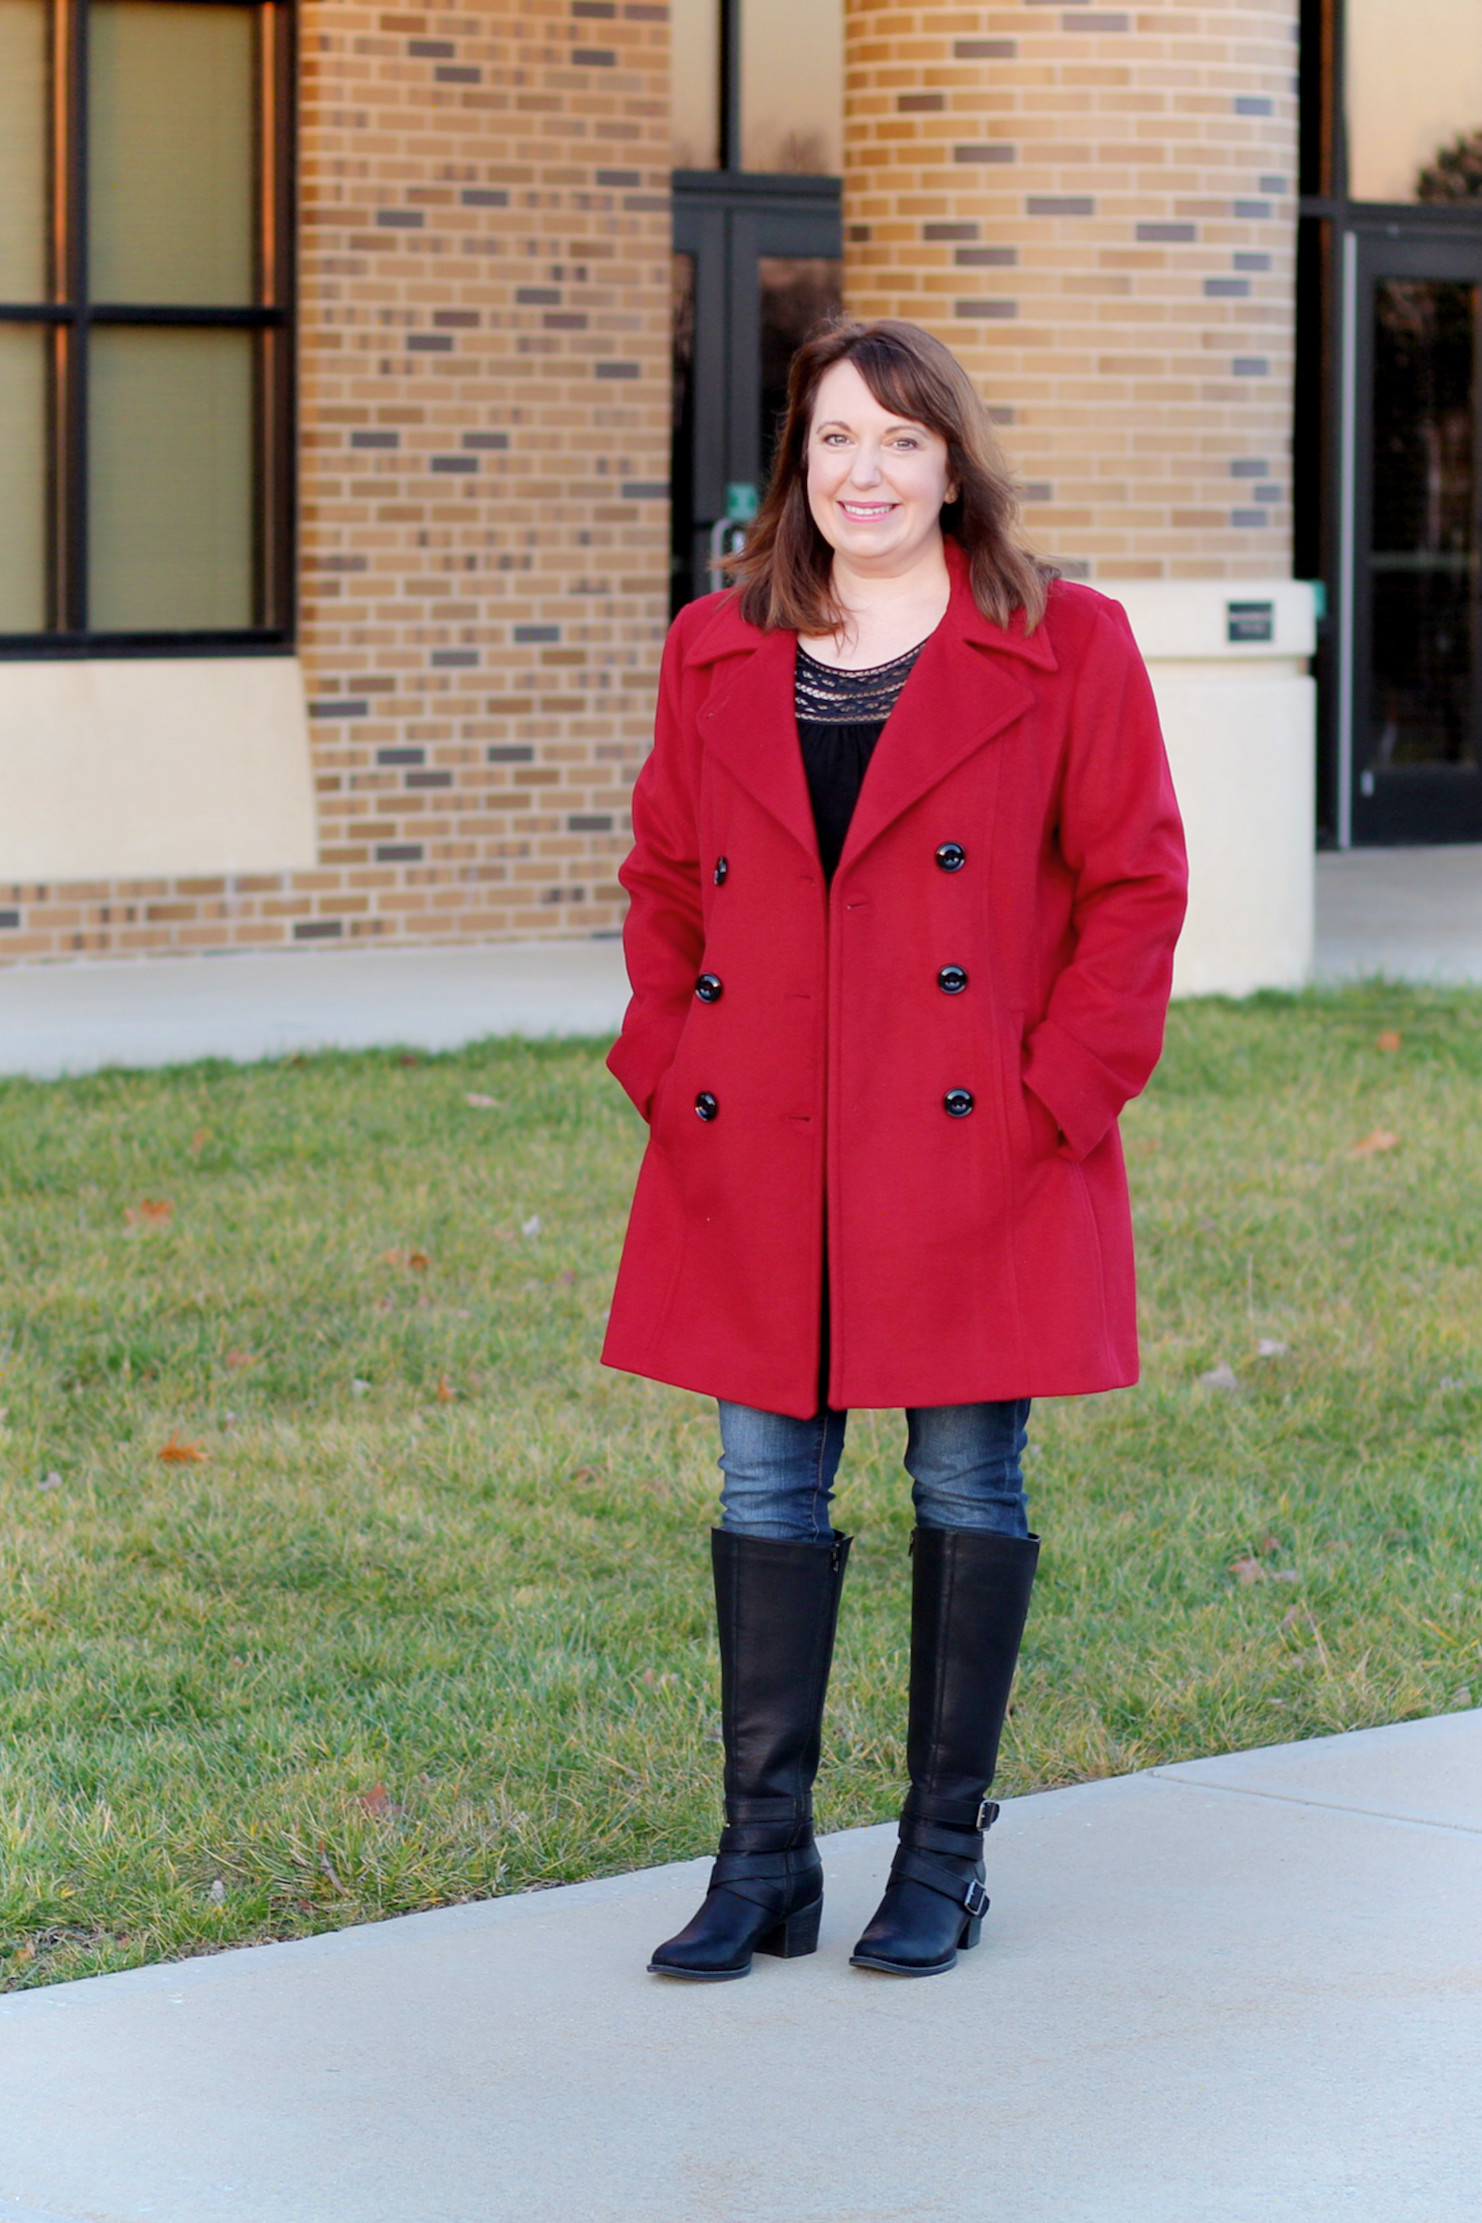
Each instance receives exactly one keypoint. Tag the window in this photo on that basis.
(758, 85)
(145, 373)
(1414, 99)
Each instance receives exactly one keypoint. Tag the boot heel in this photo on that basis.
(796, 1936)
(972, 1930)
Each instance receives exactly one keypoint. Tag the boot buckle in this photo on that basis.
(975, 1898)
(987, 1814)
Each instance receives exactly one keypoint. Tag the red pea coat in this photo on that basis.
(831, 1080)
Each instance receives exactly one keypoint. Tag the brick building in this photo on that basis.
(375, 381)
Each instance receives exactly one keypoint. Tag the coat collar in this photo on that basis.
(964, 689)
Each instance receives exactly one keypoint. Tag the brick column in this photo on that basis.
(1095, 208)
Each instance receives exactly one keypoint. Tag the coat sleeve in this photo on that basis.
(1120, 835)
(664, 934)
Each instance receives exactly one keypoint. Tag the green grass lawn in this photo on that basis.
(428, 1616)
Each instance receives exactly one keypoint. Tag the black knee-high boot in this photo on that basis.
(776, 1606)
(969, 1600)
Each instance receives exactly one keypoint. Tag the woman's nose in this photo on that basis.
(866, 471)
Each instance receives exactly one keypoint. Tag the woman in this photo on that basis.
(906, 879)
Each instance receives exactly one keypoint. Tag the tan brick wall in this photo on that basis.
(484, 382)
(1094, 207)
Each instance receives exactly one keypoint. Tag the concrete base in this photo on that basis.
(133, 767)
(1245, 1990)
(1229, 666)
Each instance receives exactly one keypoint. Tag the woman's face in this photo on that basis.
(876, 483)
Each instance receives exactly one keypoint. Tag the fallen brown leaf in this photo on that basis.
(150, 1211)
(1247, 1570)
(238, 1360)
(445, 1390)
(1380, 1139)
(377, 1800)
(1389, 1041)
(199, 1140)
(178, 1453)
(418, 1260)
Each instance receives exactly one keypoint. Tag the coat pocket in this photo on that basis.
(1032, 1123)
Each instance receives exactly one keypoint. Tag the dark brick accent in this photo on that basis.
(401, 756)
(493, 442)
(318, 930)
(984, 50)
(375, 439)
(949, 231)
(1250, 366)
(1249, 467)
(457, 73)
(1227, 289)
(454, 659)
(1251, 262)
(456, 465)
(456, 320)
(431, 50)
(1171, 235)
(1255, 517)
(532, 633)
(429, 779)
(589, 822)
(398, 852)
(337, 706)
(399, 219)
(646, 490)
(997, 151)
(429, 343)
(593, 57)
(920, 104)
(1276, 185)
(986, 311)
(616, 370)
(1253, 212)
(509, 752)
(986, 258)
(9, 919)
(1251, 104)
(537, 297)
(484, 196)
(1060, 204)
(619, 178)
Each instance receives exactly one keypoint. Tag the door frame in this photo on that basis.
(1402, 814)
(728, 220)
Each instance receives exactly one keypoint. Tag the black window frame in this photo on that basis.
(69, 313)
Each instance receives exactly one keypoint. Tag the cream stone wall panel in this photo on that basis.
(115, 768)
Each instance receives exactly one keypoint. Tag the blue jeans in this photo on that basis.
(963, 1461)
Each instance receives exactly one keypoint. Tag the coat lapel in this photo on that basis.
(748, 723)
(968, 684)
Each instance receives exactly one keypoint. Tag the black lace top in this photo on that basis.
(841, 716)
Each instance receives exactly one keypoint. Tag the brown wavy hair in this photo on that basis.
(786, 566)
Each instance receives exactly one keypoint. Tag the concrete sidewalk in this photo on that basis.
(1414, 914)
(1410, 914)
(1245, 1990)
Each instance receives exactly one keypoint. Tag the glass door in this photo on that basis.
(1417, 540)
(757, 265)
